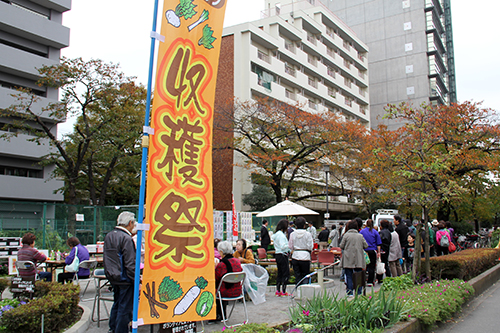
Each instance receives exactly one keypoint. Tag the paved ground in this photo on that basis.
(480, 315)
(273, 311)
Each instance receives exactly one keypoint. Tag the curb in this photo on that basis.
(83, 324)
(480, 283)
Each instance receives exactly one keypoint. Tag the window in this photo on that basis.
(290, 94)
(347, 82)
(331, 71)
(332, 92)
(311, 38)
(264, 78)
(20, 172)
(289, 46)
(312, 60)
(313, 105)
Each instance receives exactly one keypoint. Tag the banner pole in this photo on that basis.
(142, 191)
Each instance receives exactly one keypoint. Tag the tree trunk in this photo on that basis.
(416, 255)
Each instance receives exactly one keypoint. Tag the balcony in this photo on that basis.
(290, 95)
(264, 57)
(331, 72)
(290, 47)
(311, 39)
(312, 82)
(290, 70)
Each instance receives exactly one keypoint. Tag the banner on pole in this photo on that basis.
(178, 282)
(235, 220)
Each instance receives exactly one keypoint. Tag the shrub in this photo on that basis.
(464, 264)
(436, 301)
(57, 302)
(398, 283)
(327, 313)
(251, 328)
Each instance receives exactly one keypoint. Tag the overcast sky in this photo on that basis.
(118, 31)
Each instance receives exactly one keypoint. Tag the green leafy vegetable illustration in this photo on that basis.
(169, 290)
(185, 8)
(207, 39)
(190, 296)
(205, 303)
(203, 18)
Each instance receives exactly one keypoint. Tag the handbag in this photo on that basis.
(73, 267)
(380, 267)
(367, 258)
(452, 247)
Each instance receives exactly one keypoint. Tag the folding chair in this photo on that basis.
(314, 257)
(238, 277)
(101, 282)
(28, 266)
(326, 258)
(90, 265)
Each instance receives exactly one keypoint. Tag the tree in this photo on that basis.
(106, 105)
(261, 198)
(436, 153)
(284, 143)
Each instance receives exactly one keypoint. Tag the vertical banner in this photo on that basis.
(235, 221)
(178, 282)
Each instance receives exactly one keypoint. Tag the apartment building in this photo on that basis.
(296, 53)
(411, 50)
(31, 35)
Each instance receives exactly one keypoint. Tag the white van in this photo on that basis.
(387, 214)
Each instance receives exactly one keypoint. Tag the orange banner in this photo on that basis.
(178, 282)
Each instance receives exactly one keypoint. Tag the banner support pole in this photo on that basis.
(142, 191)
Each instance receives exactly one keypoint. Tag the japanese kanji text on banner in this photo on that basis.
(178, 282)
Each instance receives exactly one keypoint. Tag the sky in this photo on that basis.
(119, 32)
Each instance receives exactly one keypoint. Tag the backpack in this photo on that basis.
(445, 241)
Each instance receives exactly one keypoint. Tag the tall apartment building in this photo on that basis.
(296, 53)
(31, 35)
(411, 49)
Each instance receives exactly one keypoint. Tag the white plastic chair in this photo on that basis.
(90, 265)
(235, 277)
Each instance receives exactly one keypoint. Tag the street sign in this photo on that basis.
(327, 215)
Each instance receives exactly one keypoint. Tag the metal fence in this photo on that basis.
(53, 223)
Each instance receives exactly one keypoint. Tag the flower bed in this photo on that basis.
(56, 302)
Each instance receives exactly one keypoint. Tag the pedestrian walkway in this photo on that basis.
(480, 315)
(273, 312)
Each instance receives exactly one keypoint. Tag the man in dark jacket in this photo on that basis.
(265, 240)
(119, 266)
(402, 230)
(323, 238)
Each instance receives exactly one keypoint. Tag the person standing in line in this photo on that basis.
(29, 253)
(374, 242)
(334, 237)
(282, 252)
(323, 238)
(402, 230)
(442, 248)
(119, 267)
(353, 258)
(386, 238)
(265, 240)
(395, 255)
(301, 245)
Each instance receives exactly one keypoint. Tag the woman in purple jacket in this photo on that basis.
(372, 237)
(83, 254)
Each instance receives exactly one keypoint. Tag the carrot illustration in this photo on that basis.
(190, 296)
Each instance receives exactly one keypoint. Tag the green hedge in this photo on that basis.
(463, 265)
(57, 302)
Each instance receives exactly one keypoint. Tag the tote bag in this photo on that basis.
(73, 267)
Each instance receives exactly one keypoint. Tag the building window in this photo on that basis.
(332, 92)
(347, 82)
(313, 105)
(312, 60)
(311, 38)
(20, 172)
(331, 71)
(289, 46)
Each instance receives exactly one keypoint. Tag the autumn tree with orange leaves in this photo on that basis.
(437, 154)
(286, 145)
